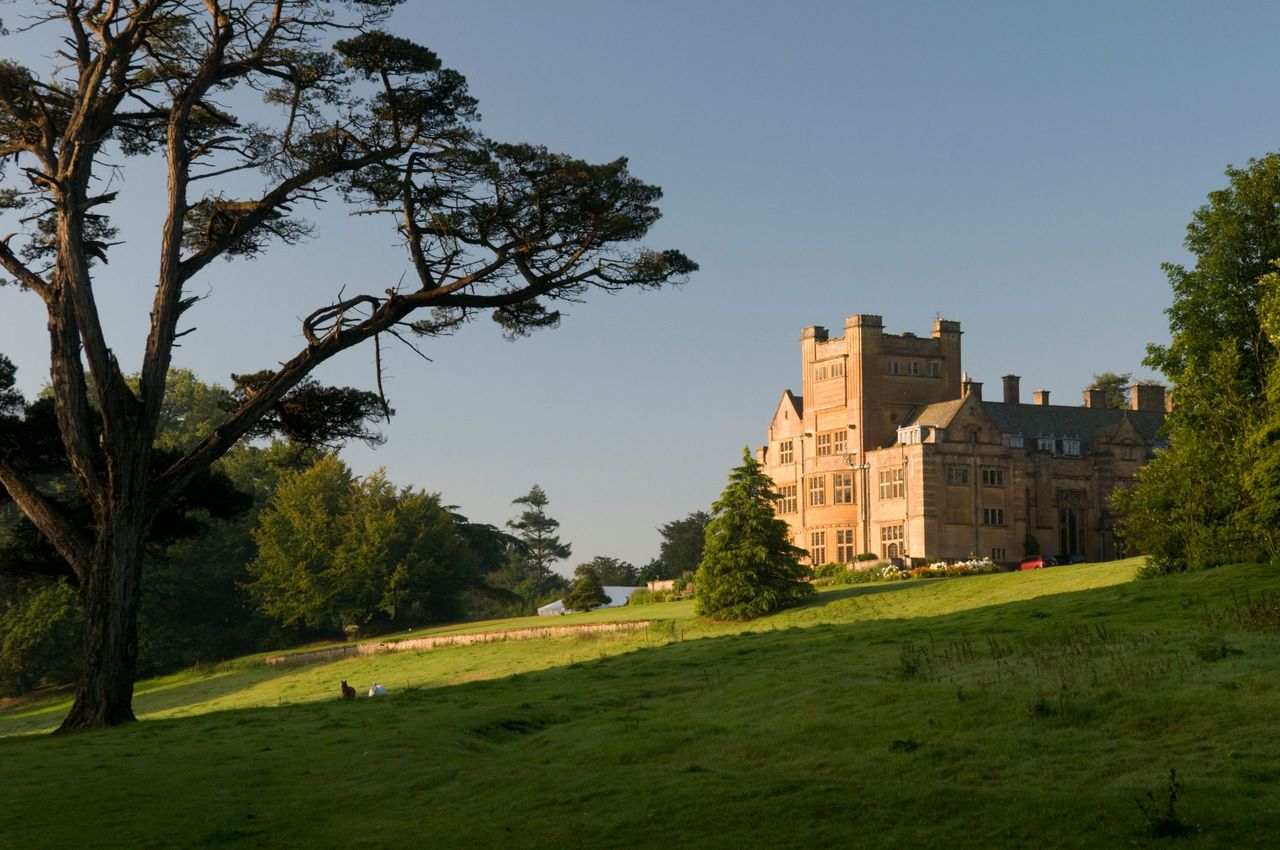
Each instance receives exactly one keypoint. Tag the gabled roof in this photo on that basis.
(1089, 424)
(936, 415)
(788, 417)
(797, 402)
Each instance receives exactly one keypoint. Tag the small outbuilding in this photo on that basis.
(617, 596)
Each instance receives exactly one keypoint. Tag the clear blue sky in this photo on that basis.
(1020, 168)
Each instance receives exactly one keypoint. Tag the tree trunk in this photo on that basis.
(109, 594)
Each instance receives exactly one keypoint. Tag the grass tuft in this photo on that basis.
(1162, 820)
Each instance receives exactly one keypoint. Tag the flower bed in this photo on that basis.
(863, 573)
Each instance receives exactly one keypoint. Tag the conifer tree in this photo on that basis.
(749, 567)
(538, 533)
(587, 591)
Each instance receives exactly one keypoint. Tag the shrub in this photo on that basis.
(847, 575)
(831, 571)
(645, 597)
(1154, 567)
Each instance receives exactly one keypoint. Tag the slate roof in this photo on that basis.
(1089, 424)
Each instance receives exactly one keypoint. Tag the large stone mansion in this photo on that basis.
(891, 449)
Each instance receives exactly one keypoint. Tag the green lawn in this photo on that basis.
(1013, 710)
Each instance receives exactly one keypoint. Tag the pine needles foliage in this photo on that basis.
(749, 567)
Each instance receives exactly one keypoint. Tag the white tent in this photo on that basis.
(552, 609)
(617, 596)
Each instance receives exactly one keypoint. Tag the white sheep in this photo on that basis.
(376, 690)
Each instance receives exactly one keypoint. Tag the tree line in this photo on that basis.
(282, 543)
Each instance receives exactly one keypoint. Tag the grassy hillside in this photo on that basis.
(1009, 710)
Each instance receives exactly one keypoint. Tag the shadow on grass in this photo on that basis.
(153, 696)
(827, 595)
(584, 754)
(1139, 604)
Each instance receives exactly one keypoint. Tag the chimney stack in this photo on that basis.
(1147, 397)
(1011, 394)
(1041, 397)
(1094, 397)
(970, 387)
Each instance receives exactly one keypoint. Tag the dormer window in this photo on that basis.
(1045, 444)
(1071, 447)
(1014, 441)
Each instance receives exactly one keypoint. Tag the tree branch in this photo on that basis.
(48, 518)
(166, 309)
(19, 270)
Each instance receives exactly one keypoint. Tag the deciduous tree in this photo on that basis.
(299, 575)
(749, 567)
(39, 622)
(1197, 504)
(612, 572)
(336, 551)
(352, 113)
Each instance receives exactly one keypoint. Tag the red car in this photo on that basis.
(1036, 562)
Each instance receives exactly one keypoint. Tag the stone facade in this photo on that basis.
(891, 449)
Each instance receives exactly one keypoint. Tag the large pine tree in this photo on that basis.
(749, 567)
(529, 570)
(351, 113)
